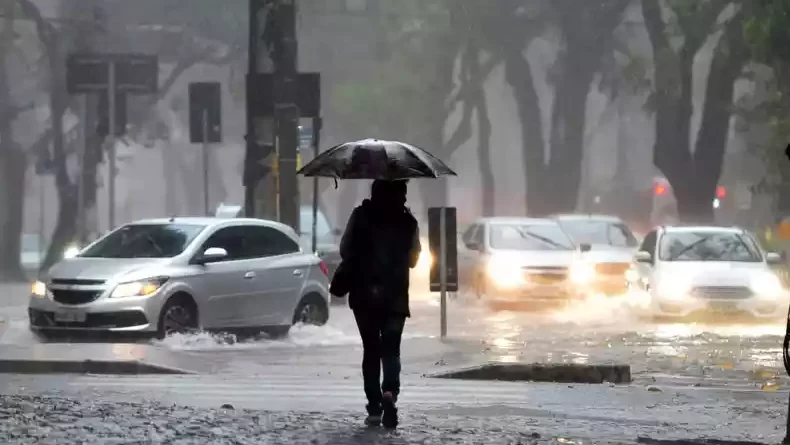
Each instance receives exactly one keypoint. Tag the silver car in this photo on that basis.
(182, 274)
(521, 260)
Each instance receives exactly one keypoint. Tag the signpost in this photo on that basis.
(205, 125)
(442, 229)
(112, 75)
(317, 122)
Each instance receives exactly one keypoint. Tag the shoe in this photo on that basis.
(389, 416)
(374, 416)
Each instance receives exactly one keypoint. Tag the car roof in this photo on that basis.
(210, 221)
(712, 229)
(586, 217)
(516, 220)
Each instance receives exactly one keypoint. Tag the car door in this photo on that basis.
(645, 270)
(280, 273)
(224, 285)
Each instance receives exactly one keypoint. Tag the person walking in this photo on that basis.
(379, 246)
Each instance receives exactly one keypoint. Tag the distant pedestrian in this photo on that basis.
(379, 246)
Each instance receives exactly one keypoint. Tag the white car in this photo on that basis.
(682, 271)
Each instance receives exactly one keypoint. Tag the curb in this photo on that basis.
(542, 372)
(86, 367)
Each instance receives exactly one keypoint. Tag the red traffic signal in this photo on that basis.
(721, 192)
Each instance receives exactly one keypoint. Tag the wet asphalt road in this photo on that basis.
(603, 330)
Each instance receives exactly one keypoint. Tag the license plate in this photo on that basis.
(542, 279)
(70, 316)
(723, 307)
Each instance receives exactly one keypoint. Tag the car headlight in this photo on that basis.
(425, 261)
(504, 272)
(71, 251)
(137, 288)
(582, 272)
(39, 289)
(767, 284)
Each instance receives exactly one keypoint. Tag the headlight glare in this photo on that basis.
(39, 289)
(426, 259)
(505, 273)
(582, 272)
(71, 251)
(767, 284)
(137, 288)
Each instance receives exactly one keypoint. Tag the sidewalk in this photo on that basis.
(298, 409)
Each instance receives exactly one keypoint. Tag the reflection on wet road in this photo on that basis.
(597, 331)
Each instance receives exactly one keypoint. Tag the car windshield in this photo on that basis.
(144, 241)
(529, 237)
(708, 246)
(323, 229)
(600, 233)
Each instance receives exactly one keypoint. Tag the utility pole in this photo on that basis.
(277, 96)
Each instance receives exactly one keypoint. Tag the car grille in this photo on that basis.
(612, 268)
(722, 292)
(546, 275)
(76, 282)
(74, 296)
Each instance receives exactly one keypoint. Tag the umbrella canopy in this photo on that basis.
(376, 159)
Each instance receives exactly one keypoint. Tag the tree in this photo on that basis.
(414, 89)
(16, 51)
(767, 32)
(586, 30)
(693, 173)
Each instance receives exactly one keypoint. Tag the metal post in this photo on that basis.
(317, 121)
(204, 122)
(81, 145)
(443, 268)
(111, 147)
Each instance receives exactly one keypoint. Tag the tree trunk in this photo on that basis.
(478, 99)
(519, 76)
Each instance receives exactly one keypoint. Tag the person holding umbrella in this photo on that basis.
(379, 246)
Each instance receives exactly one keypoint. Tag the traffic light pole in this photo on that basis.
(271, 185)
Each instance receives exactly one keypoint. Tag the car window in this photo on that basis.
(229, 238)
(516, 236)
(708, 246)
(323, 228)
(587, 231)
(145, 241)
(261, 241)
(649, 243)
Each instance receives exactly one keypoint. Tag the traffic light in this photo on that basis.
(721, 192)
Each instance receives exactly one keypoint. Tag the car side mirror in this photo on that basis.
(584, 247)
(337, 232)
(773, 258)
(643, 257)
(212, 255)
(471, 245)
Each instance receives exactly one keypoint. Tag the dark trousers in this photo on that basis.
(381, 336)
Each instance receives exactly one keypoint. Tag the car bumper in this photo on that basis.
(767, 308)
(533, 292)
(132, 314)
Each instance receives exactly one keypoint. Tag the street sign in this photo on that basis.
(205, 102)
(104, 114)
(134, 73)
(451, 247)
(265, 90)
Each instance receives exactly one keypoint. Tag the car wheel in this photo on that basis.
(178, 316)
(311, 310)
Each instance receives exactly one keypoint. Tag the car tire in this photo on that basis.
(180, 309)
(312, 309)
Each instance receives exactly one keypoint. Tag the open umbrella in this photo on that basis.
(376, 159)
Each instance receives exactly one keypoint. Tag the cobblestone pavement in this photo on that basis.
(63, 421)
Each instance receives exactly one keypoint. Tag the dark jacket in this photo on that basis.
(380, 247)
